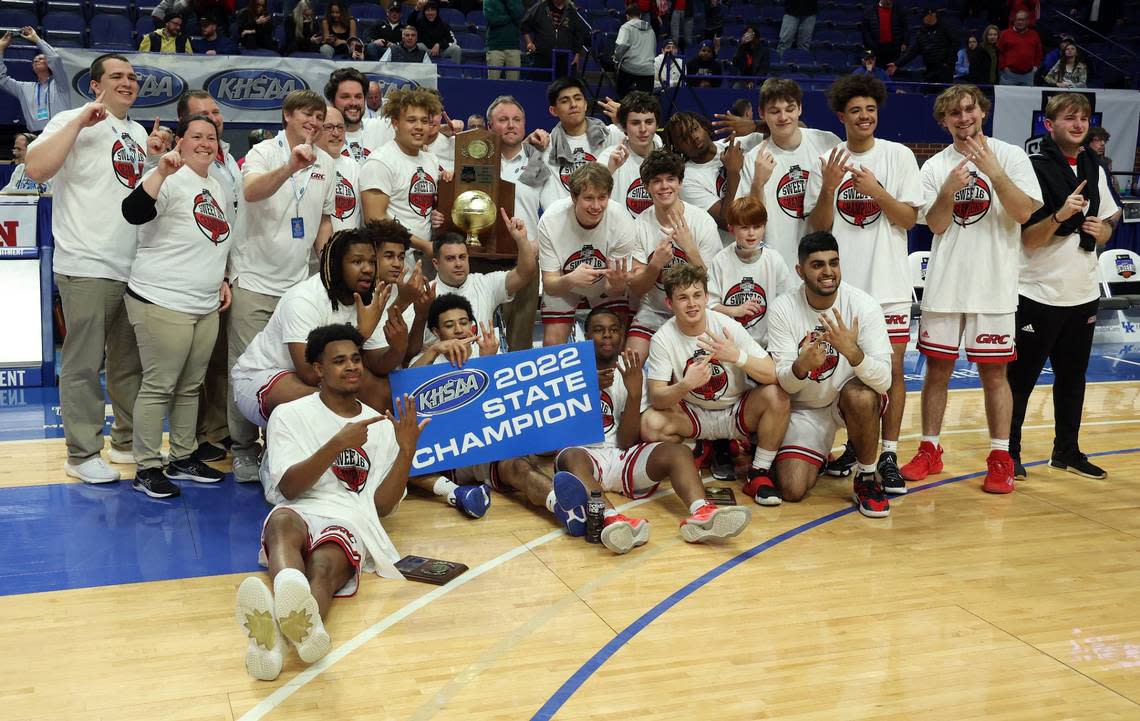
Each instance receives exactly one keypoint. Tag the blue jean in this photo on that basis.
(1008, 77)
(798, 29)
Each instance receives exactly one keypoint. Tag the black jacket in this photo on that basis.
(801, 8)
(935, 43)
(871, 25)
(1058, 182)
(400, 54)
(381, 30)
(700, 67)
(570, 34)
(432, 33)
(751, 59)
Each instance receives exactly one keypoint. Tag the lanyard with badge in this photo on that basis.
(43, 100)
(297, 223)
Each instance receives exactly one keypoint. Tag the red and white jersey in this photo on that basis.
(792, 321)
(347, 489)
(733, 281)
(409, 181)
(650, 231)
(872, 250)
(373, 134)
(347, 213)
(612, 403)
(628, 188)
(671, 352)
(786, 189)
(92, 238)
(563, 244)
(974, 264)
(182, 253)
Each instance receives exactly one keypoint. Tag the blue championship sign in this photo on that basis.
(503, 406)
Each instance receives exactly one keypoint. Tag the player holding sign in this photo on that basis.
(867, 196)
(701, 365)
(978, 192)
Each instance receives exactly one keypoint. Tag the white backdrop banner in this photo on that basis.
(1019, 114)
(249, 89)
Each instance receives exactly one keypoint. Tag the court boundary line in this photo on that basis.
(577, 679)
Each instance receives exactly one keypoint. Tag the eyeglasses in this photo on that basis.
(329, 127)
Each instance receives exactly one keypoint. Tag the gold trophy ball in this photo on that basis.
(473, 211)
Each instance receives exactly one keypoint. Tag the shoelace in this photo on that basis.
(888, 467)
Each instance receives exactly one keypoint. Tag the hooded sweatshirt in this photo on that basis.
(635, 47)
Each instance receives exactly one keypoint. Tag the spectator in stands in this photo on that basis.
(751, 57)
(219, 10)
(386, 32)
(504, 31)
(798, 24)
(255, 27)
(1019, 52)
(668, 67)
(337, 27)
(681, 22)
(742, 108)
(21, 183)
(408, 50)
(1031, 7)
(374, 101)
(962, 63)
(867, 67)
(1096, 141)
(169, 7)
(551, 25)
(211, 43)
(168, 39)
(1070, 70)
(714, 22)
(435, 33)
(936, 44)
(884, 30)
(476, 121)
(706, 64)
(633, 53)
(983, 59)
(303, 32)
(44, 97)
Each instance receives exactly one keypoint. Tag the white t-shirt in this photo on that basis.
(1060, 273)
(649, 234)
(410, 182)
(735, 282)
(528, 199)
(785, 191)
(873, 251)
(612, 403)
(347, 489)
(580, 145)
(270, 260)
(791, 318)
(92, 238)
(671, 352)
(182, 253)
(704, 184)
(628, 188)
(974, 264)
(563, 244)
(305, 307)
(373, 133)
(228, 174)
(443, 148)
(347, 211)
(484, 291)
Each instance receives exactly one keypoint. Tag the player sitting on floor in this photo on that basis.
(701, 368)
(833, 357)
(622, 464)
(339, 467)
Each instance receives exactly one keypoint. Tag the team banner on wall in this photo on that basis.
(249, 89)
(503, 406)
(1019, 115)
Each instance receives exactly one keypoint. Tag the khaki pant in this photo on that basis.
(249, 313)
(506, 58)
(518, 315)
(97, 328)
(174, 348)
(213, 424)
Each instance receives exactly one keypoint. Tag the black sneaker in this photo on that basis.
(892, 480)
(1019, 473)
(191, 469)
(722, 466)
(1079, 464)
(154, 483)
(208, 452)
(869, 497)
(842, 466)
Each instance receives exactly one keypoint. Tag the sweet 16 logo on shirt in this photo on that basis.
(679, 256)
(744, 291)
(356, 151)
(421, 193)
(972, 202)
(854, 207)
(607, 412)
(721, 181)
(637, 199)
(345, 198)
(589, 255)
(826, 369)
(717, 383)
(210, 218)
(127, 159)
(790, 192)
(351, 468)
(566, 169)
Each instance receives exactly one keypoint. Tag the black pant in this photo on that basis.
(1064, 335)
(629, 81)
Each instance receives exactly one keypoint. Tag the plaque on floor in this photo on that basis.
(721, 496)
(429, 570)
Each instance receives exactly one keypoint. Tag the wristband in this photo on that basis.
(1054, 218)
(741, 360)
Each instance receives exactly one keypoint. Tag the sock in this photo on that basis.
(890, 447)
(867, 468)
(697, 505)
(550, 501)
(444, 487)
(610, 513)
(999, 444)
(287, 573)
(762, 459)
(933, 440)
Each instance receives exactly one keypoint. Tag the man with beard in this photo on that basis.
(346, 91)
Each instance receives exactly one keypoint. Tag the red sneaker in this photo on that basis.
(928, 460)
(702, 454)
(738, 447)
(761, 489)
(869, 496)
(621, 534)
(999, 473)
(716, 522)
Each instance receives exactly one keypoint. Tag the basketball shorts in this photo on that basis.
(711, 425)
(989, 336)
(563, 308)
(811, 432)
(251, 390)
(324, 530)
(621, 471)
(647, 322)
(897, 318)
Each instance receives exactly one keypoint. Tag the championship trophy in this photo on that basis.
(470, 203)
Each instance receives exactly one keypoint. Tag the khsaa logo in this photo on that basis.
(156, 86)
(388, 83)
(255, 89)
(1125, 268)
(450, 391)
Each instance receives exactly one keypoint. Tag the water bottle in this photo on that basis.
(595, 517)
